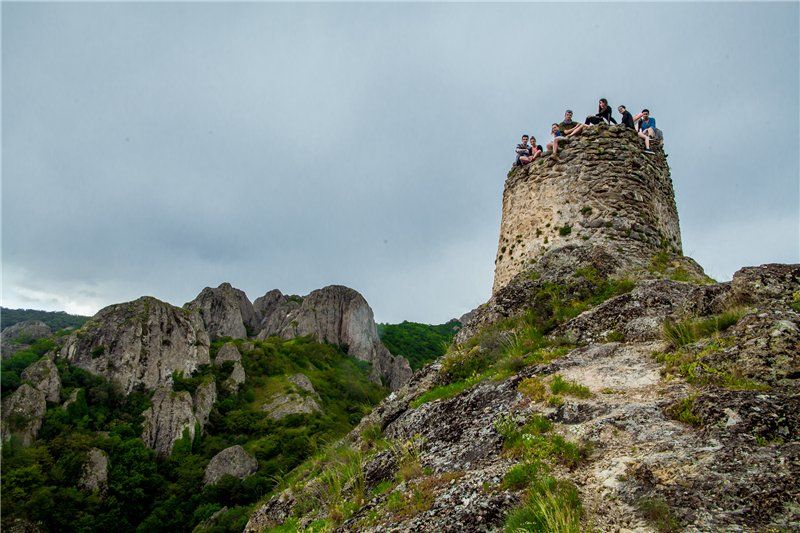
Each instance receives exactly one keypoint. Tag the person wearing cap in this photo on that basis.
(646, 128)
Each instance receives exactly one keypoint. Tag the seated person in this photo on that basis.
(646, 127)
(570, 128)
(627, 118)
(522, 150)
(533, 152)
(603, 114)
(553, 145)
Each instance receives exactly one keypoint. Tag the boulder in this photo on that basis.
(140, 343)
(233, 461)
(338, 315)
(236, 378)
(43, 375)
(767, 284)
(228, 352)
(20, 335)
(166, 420)
(94, 475)
(23, 411)
(301, 398)
(204, 398)
(226, 312)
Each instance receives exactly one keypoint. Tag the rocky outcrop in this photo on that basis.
(301, 398)
(669, 426)
(43, 375)
(94, 475)
(23, 411)
(600, 190)
(236, 379)
(140, 343)
(338, 315)
(233, 461)
(19, 336)
(226, 312)
(228, 352)
(203, 400)
(170, 415)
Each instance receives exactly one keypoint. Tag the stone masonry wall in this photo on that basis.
(604, 190)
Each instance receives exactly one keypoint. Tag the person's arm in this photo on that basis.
(522, 151)
(637, 117)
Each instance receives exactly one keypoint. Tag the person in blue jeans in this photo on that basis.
(646, 128)
(522, 150)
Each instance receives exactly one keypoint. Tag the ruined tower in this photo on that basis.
(604, 190)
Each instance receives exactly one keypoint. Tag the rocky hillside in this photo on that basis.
(578, 400)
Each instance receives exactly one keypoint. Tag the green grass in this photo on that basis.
(658, 513)
(561, 386)
(685, 332)
(549, 505)
(534, 441)
(419, 343)
(683, 411)
(450, 390)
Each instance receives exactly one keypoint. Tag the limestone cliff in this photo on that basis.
(140, 343)
(603, 190)
(226, 312)
(338, 315)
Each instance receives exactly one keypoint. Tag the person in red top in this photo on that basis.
(534, 151)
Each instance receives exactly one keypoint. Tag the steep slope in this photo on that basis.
(580, 402)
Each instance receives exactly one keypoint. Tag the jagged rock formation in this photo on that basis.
(140, 343)
(300, 399)
(165, 421)
(229, 352)
(338, 315)
(19, 336)
(603, 190)
(226, 312)
(94, 475)
(23, 411)
(233, 461)
(203, 401)
(43, 375)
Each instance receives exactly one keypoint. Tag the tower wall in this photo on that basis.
(604, 190)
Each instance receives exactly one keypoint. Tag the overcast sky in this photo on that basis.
(161, 148)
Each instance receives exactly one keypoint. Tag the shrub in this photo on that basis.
(565, 230)
(658, 513)
(683, 411)
(685, 332)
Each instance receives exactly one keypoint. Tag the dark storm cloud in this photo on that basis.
(158, 148)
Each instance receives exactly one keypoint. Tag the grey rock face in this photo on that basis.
(233, 461)
(19, 336)
(338, 315)
(300, 399)
(170, 414)
(43, 375)
(140, 343)
(236, 379)
(226, 311)
(228, 352)
(73, 397)
(767, 283)
(204, 398)
(95, 472)
(23, 411)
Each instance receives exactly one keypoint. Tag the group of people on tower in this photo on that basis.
(643, 124)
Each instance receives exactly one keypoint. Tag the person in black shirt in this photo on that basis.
(603, 114)
(627, 118)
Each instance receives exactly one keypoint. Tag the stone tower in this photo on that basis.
(604, 190)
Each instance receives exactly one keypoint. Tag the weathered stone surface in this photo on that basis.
(300, 398)
(228, 352)
(273, 513)
(23, 411)
(19, 336)
(140, 343)
(236, 379)
(204, 398)
(226, 312)
(94, 476)
(73, 397)
(338, 315)
(165, 421)
(767, 284)
(233, 461)
(602, 190)
(43, 375)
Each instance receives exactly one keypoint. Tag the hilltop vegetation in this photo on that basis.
(419, 343)
(55, 319)
(40, 482)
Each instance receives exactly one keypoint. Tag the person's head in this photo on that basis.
(603, 103)
(621, 109)
(645, 114)
(524, 139)
(568, 115)
(533, 141)
(554, 128)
